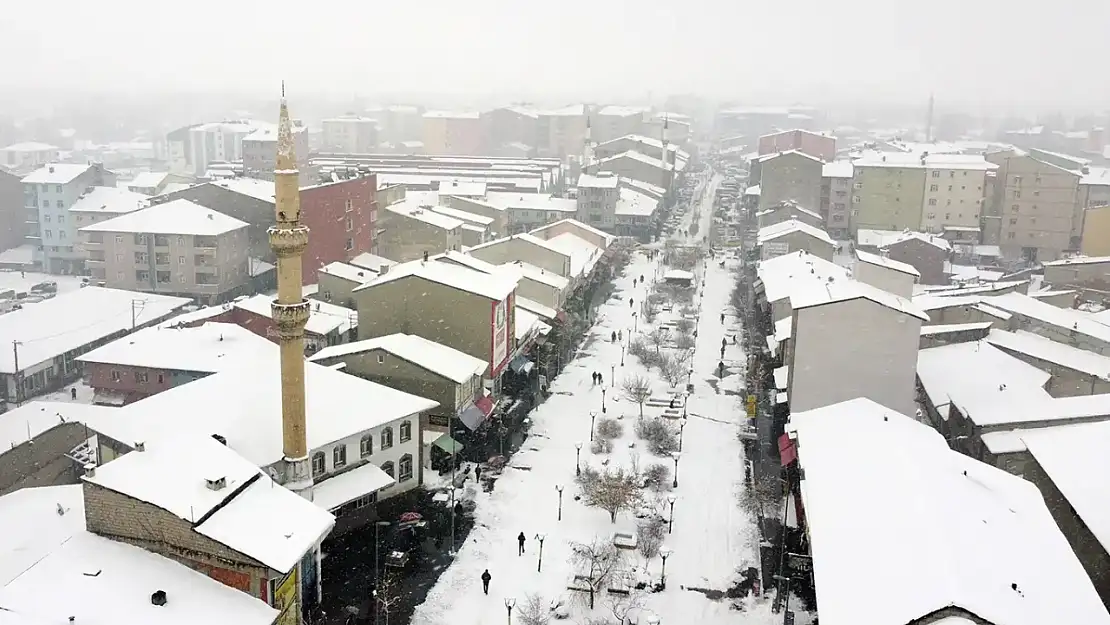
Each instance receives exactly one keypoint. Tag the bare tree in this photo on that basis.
(657, 477)
(660, 437)
(649, 538)
(658, 338)
(609, 428)
(684, 325)
(760, 496)
(620, 605)
(596, 561)
(612, 491)
(671, 370)
(685, 342)
(389, 594)
(637, 388)
(535, 611)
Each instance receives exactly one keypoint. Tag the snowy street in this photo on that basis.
(712, 536)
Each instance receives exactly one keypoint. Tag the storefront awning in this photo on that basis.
(521, 365)
(476, 412)
(443, 441)
(335, 491)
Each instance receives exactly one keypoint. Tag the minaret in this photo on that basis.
(288, 239)
(588, 149)
(664, 155)
(929, 122)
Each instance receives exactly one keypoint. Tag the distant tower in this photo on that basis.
(588, 148)
(929, 122)
(669, 175)
(288, 239)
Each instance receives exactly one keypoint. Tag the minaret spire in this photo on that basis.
(288, 239)
(588, 148)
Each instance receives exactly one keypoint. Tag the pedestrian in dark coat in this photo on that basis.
(520, 544)
(485, 581)
(477, 474)
(613, 337)
(672, 402)
(630, 302)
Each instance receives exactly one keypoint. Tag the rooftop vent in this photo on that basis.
(90, 470)
(383, 269)
(140, 446)
(221, 438)
(216, 483)
(425, 255)
(158, 597)
(210, 216)
(51, 168)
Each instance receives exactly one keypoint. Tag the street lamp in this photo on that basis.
(593, 415)
(602, 401)
(676, 455)
(681, 426)
(622, 354)
(689, 375)
(540, 537)
(664, 552)
(559, 489)
(635, 321)
(377, 564)
(509, 603)
(612, 375)
(670, 524)
(578, 455)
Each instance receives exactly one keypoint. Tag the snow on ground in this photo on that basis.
(712, 538)
(23, 281)
(84, 394)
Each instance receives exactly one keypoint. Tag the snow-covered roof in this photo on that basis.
(951, 328)
(451, 115)
(651, 190)
(767, 157)
(623, 111)
(753, 190)
(24, 423)
(206, 348)
(538, 274)
(1045, 349)
(250, 187)
(1078, 260)
(953, 373)
(50, 328)
(249, 514)
(956, 532)
(464, 279)
(424, 214)
(1096, 176)
(53, 570)
(837, 169)
(337, 489)
(847, 290)
(876, 238)
(871, 158)
(29, 146)
(638, 156)
(148, 180)
(1064, 318)
(649, 145)
(635, 203)
(440, 359)
(583, 254)
(532, 201)
(790, 206)
(324, 317)
(370, 261)
(606, 238)
(109, 200)
(243, 404)
(464, 188)
(466, 217)
(570, 110)
(352, 273)
(929, 239)
(590, 181)
(783, 228)
(795, 273)
(544, 312)
(887, 263)
(174, 217)
(524, 321)
(56, 173)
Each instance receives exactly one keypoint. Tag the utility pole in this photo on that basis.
(15, 374)
(136, 308)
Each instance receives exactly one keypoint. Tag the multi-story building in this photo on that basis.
(398, 123)
(637, 166)
(99, 204)
(612, 122)
(259, 152)
(452, 133)
(597, 199)
(177, 248)
(507, 126)
(343, 219)
(561, 132)
(192, 148)
(792, 175)
(52, 190)
(644, 144)
(814, 144)
(1037, 202)
(13, 212)
(349, 134)
(409, 231)
(245, 199)
(26, 156)
(836, 198)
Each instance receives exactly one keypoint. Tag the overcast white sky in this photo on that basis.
(977, 51)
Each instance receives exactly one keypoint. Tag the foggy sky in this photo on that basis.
(992, 52)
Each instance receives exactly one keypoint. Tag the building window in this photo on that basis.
(61, 218)
(387, 438)
(57, 188)
(404, 466)
(140, 377)
(339, 456)
(61, 234)
(350, 224)
(350, 245)
(381, 359)
(388, 468)
(161, 378)
(47, 234)
(1014, 208)
(366, 446)
(119, 239)
(1017, 195)
(406, 431)
(348, 206)
(933, 187)
(1013, 221)
(181, 240)
(180, 260)
(60, 204)
(1009, 235)
(116, 376)
(319, 464)
(46, 218)
(936, 174)
(932, 201)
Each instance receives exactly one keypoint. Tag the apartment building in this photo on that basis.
(342, 217)
(612, 122)
(13, 213)
(836, 198)
(351, 134)
(259, 152)
(408, 231)
(597, 199)
(811, 143)
(1037, 202)
(397, 123)
(192, 148)
(177, 248)
(51, 190)
(561, 132)
(452, 133)
(97, 204)
(507, 126)
(637, 166)
(28, 155)
(792, 175)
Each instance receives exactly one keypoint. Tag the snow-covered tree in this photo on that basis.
(637, 388)
(597, 561)
(613, 490)
(534, 611)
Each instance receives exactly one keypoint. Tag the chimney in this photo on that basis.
(140, 446)
(158, 598)
(383, 269)
(90, 470)
(210, 216)
(425, 255)
(216, 483)
(51, 168)
(221, 438)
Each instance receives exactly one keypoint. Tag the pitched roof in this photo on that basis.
(109, 200)
(174, 217)
(495, 288)
(845, 290)
(886, 263)
(783, 228)
(205, 348)
(441, 359)
(56, 173)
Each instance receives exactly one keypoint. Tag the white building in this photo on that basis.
(887, 274)
(350, 135)
(850, 340)
(28, 155)
(52, 190)
(793, 236)
(191, 149)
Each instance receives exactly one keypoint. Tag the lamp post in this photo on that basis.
(681, 425)
(593, 416)
(676, 455)
(635, 321)
(689, 375)
(670, 524)
(377, 564)
(612, 375)
(540, 537)
(602, 401)
(509, 603)
(664, 552)
(559, 489)
(578, 457)
(622, 354)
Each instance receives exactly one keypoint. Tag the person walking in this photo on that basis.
(722, 317)
(520, 544)
(478, 474)
(485, 581)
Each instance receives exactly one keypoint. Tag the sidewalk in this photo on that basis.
(712, 536)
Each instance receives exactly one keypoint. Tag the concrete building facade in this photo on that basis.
(816, 145)
(792, 175)
(452, 133)
(52, 190)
